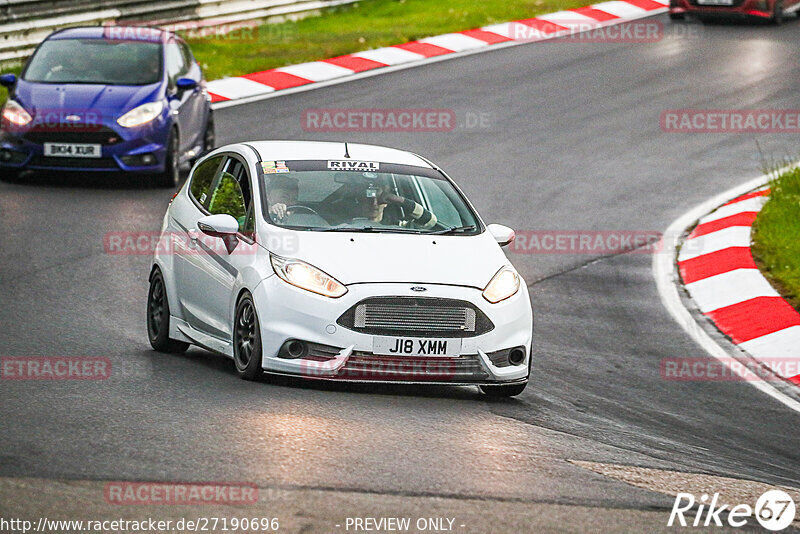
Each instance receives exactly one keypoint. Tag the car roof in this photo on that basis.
(322, 150)
(133, 33)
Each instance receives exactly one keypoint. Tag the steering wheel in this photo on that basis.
(306, 208)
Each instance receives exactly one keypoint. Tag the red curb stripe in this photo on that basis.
(649, 5)
(596, 14)
(486, 37)
(542, 25)
(356, 64)
(755, 318)
(216, 97)
(277, 80)
(795, 380)
(753, 194)
(424, 49)
(715, 263)
(745, 218)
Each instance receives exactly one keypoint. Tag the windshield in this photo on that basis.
(95, 61)
(325, 200)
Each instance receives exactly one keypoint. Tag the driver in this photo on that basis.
(372, 199)
(283, 192)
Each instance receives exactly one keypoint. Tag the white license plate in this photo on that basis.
(415, 346)
(71, 150)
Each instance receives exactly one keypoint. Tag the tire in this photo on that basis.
(677, 16)
(777, 13)
(9, 175)
(247, 339)
(209, 137)
(504, 391)
(171, 177)
(158, 317)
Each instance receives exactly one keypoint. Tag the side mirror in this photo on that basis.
(185, 84)
(502, 234)
(8, 80)
(218, 225)
(223, 226)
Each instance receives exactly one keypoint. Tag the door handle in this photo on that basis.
(193, 236)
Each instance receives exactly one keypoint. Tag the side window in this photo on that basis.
(232, 195)
(188, 58)
(202, 178)
(176, 65)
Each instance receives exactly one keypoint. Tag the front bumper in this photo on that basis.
(744, 9)
(288, 313)
(141, 149)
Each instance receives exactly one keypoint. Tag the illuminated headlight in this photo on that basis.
(141, 114)
(503, 285)
(16, 114)
(308, 277)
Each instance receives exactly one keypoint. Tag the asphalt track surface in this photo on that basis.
(574, 143)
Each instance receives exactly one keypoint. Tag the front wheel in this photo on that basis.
(158, 317)
(171, 176)
(247, 340)
(511, 390)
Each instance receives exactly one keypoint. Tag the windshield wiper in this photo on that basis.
(348, 229)
(455, 230)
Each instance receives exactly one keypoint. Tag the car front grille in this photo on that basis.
(417, 317)
(367, 366)
(101, 136)
(82, 163)
(736, 3)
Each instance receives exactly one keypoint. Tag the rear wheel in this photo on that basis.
(158, 317)
(209, 137)
(171, 176)
(511, 390)
(247, 339)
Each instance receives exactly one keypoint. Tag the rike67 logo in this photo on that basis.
(774, 510)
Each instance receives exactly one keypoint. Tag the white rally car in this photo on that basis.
(340, 262)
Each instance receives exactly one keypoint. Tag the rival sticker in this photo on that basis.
(351, 165)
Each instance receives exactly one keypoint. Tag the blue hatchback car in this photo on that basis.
(107, 98)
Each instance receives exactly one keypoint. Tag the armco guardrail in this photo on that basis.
(25, 23)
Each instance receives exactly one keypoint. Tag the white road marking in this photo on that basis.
(714, 292)
(316, 71)
(734, 236)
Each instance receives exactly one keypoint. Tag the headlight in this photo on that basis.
(307, 277)
(141, 114)
(16, 114)
(503, 285)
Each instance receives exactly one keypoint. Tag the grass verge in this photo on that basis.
(348, 29)
(354, 28)
(776, 236)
